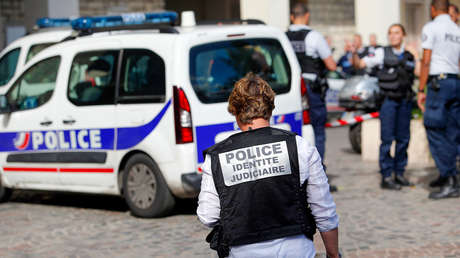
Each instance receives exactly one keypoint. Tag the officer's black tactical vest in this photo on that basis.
(256, 174)
(308, 64)
(397, 74)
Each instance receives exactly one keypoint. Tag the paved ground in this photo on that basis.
(374, 223)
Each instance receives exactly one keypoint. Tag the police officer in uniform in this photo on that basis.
(264, 190)
(396, 76)
(441, 102)
(315, 60)
(373, 45)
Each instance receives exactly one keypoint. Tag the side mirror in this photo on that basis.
(4, 106)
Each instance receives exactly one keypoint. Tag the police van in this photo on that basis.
(128, 105)
(20, 51)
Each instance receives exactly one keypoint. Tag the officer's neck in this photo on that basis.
(256, 123)
(398, 47)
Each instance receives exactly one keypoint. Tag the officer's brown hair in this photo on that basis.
(299, 9)
(441, 5)
(251, 98)
(398, 25)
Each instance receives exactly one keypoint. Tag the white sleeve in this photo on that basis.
(208, 210)
(428, 37)
(318, 196)
(376, 59)
(320, 44)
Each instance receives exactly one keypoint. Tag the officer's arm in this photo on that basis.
(425, 68)
(410, 47)
(331, 242)
(330, 63)
(424, 71)
(358, 63)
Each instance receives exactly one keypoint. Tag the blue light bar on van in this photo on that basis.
(85, 23)
(46, 22)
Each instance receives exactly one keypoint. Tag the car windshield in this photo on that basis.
(215, 67)
(8, 66)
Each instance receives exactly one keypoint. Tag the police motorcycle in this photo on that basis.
(360, 95)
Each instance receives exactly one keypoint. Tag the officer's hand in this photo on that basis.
(421, 97)
(352, 49)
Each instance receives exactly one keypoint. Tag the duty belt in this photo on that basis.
(443, 76)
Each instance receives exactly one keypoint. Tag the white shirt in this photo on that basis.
(318, 196)
(442, 36)
(379, 56)
(315, 44)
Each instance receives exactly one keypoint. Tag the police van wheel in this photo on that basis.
(355, 137)
(145, 189)
(5, 193)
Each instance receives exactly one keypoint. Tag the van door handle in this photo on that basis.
(46, 123)
(68, 121)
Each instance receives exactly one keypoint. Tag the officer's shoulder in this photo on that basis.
(216, 146)
(428, 27)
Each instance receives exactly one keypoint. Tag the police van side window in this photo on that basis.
(36, 85)
(93, 78)
(215, 67)
(35, 49)
(8, 65)
(142, 78)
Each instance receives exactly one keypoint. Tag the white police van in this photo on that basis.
(14, 56)
(128, 109)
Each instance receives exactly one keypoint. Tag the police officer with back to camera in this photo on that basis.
(264, 189)
(396, 67)
(441, 102)
(315, 60)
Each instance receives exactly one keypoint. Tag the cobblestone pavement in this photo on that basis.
(374, 223)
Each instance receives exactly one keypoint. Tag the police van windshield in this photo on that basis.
(8, 66)
(215, 67)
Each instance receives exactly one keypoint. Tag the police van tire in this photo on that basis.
(5, 193)
(355, 137)
(144, 188)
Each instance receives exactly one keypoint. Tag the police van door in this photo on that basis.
(86, 113)
(141, 100)
(27, 141)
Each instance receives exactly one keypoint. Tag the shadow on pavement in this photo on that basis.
(349, 151)
(76, 200)
(91, 201)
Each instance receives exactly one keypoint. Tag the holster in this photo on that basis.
(434, 83)
(320, 86)
(216, 241)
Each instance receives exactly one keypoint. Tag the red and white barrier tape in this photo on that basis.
(354, 120)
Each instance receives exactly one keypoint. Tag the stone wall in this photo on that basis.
(333, 18)
(12, 11)
(103, 7)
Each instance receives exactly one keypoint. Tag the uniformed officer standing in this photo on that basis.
(396, 68)
(315, 60)
(439, 71)
(373, 45)
(264, 190)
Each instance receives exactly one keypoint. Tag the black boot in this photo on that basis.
(449, 189)
(401, 180)
(389, 183)
(333, 188)
(438, 182)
